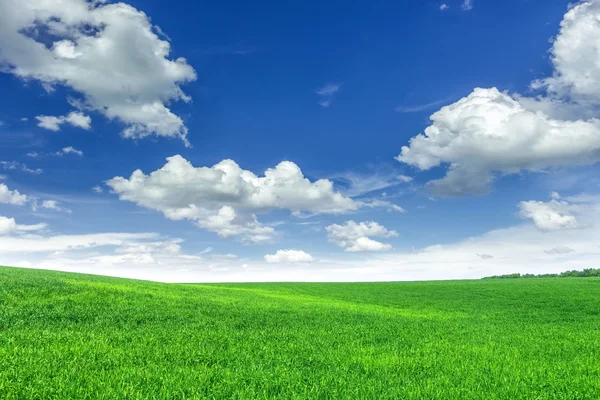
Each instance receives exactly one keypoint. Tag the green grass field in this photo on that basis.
(69, 336)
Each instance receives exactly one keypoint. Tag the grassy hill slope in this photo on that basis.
(69, 336)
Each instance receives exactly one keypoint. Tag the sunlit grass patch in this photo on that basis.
(67, 336)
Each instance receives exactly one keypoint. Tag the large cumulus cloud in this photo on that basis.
(108, 53)
(225, 198)
(492, 133)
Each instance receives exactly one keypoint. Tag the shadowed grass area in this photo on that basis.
(69, 336)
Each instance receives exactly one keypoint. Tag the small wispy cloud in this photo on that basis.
(62, 152)
(17, 166)
(54, 205)
(354, 184)
(70, 150)
(327, 93)
(309, 223)
(559, 250)
(444, 7)
(74, 118)
(161, 32)
(420, 107)
(98, 189)
(467, 5)
(223, 256)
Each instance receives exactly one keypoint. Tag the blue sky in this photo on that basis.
(336, 92)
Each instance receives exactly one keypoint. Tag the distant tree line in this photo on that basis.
(586, 273)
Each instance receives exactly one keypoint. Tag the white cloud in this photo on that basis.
(79, 120)
(49, 122)
(74, 118)
(373, 203)
(2, 177)
(421, 107)
(491, 133)
(551, 215)
(224, 198)
(9, 226)
(355, 237)
(178, 184)
(98, 189)
(227, 223)
(355, 184)
(59, 153)
(71, 150)
(575, 56)
(13, 197)
(559, 250)
(522, 248)
(132, 255)
(133, 259)
(54, 205)
(367, 244)
(41, 244)
(404, 178)
(92, 41)
(444, 7)
(167, 247)
(467, 5)
(17, 166)
(327, 93)
(517, 249)
(206, 250)
(228, 256)
(288, 256)
(583, 198)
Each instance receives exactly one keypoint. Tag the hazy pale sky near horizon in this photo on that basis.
(192, 141)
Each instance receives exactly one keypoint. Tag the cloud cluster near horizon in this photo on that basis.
(226, 199)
